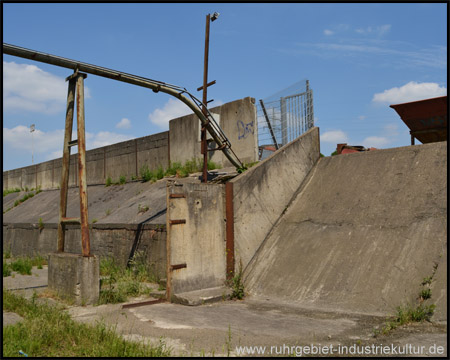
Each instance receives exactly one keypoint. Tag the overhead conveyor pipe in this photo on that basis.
(195, 105)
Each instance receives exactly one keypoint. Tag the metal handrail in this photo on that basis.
(194, 104)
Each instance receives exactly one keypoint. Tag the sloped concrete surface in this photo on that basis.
(362, 234)
(124, 204)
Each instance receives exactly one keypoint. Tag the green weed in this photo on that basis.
(146, 173)
(6, 269)
(40, 224)
(108, 181)
(118, 284)
(9, 191)
(237, 285)
(49, 331)
(22, 265)
(122, 179)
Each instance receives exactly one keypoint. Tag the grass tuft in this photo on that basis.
(49, 331)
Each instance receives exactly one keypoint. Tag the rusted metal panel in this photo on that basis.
(229, 215)
(85, 242)
(426, 119)
(64, 185)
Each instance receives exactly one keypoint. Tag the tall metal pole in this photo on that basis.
(204, 145)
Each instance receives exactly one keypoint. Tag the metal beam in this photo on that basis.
(194, 104)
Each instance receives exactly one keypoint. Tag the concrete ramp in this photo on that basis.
(361, 234)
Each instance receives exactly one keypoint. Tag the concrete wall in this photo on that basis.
(238, 122)
(362, 234)
(124, 158)
(200, 241)
(111, 240)
(261, 194)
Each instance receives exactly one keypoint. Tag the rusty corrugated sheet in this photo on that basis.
(426, 119)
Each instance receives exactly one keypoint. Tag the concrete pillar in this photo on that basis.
(75, 277)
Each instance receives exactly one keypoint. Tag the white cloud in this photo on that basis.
(49, 144)
(171, 110)
(19, 139)
(334, 136)
(412, 91)
(29, 88)
(375, 141)
(104, 138)
(124, 124)
(328, 32)
(362, 117)
(377, 30)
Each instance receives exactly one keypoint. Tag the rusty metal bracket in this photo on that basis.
(177, 196)
(176, 222)
(177, 266)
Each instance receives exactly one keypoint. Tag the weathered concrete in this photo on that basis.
(237, 120)
(117, 241)
(74, 277)
(217, 329)
(362, 234)
(126, 158)
(199, 241)
(203, 296)
(262, 193)
(133, 203)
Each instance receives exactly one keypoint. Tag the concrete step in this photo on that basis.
(203, 296)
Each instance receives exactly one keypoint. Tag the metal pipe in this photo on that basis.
(156, 86)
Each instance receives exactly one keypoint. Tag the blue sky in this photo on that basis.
(359, 59)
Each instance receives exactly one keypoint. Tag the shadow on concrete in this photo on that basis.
(139, 232)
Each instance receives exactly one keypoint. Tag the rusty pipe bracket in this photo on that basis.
(178, 266)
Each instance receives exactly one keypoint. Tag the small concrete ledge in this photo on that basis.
(74, 277)
(203, 296)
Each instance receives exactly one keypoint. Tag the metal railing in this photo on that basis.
(284, 118)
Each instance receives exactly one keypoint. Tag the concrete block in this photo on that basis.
(75, 277)
(203, 296)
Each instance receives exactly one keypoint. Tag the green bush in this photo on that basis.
(122, 179)
(108, 181)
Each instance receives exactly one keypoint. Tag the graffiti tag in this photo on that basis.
(244, 130)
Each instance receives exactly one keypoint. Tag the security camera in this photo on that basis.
(215, 16)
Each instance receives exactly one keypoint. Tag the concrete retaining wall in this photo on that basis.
(362, 234)
(124, 158)
(238, 122)
(200, 241)
(237, 119)
(118, 241)
(261, 194)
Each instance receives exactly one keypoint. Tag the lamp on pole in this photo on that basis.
(204, 145)
(32, 128)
